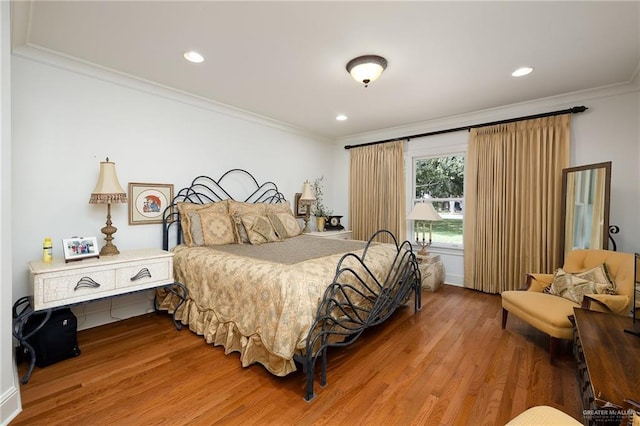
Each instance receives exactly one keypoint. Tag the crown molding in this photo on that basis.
(68, 63)
(535, 106)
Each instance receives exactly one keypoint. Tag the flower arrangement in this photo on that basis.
(319, 209)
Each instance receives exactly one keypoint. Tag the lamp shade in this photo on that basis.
(424, 211)
(307, 194)
(365, 69)
(108, 189)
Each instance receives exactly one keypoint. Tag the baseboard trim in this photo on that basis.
(10, 402)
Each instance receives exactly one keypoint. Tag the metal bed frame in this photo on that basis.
(339, 319)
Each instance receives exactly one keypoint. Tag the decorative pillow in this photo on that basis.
(281, 207)
(575, 286)
(237, 209)
(259, 229)
(210, 228)
(285, 224)
(185, 208)
(243, 238)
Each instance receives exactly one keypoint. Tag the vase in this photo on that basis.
(320, 221)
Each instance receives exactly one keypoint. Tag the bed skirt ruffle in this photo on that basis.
(226, 334)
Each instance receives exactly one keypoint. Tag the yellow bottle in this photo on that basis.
(47, 250)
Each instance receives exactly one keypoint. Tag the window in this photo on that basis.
(441, 180)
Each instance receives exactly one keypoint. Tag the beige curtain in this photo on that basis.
(513, 196)
(377, 198)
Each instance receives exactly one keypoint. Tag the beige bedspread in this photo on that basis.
(256, 305)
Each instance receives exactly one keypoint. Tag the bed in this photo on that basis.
(258, 286)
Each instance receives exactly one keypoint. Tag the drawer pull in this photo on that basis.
(144, 273)
(86, 282)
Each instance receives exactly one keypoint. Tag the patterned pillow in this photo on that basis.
(185, 220)
(285, 224)
(575, 286)
(259, 229)
(282, 207)
(237, 209)
(212, 229)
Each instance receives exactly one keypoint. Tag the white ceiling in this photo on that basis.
(286, 60)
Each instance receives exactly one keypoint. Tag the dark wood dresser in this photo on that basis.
(608, 366)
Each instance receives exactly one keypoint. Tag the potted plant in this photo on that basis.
(318, 209)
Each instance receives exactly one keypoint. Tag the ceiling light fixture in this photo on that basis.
(522, 71)
(341, 117)
(366, 69)
(193, 56)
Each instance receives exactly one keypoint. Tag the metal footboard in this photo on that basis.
(356, 301)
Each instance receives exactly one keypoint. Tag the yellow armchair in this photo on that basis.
(550, 314)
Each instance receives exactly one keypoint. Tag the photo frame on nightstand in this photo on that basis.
(78, 248)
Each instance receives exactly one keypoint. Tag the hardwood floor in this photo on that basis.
(451, 364)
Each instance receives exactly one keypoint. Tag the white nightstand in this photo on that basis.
(339, 235)
(58, 284)
(432, 271)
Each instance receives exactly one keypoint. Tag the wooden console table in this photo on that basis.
(608, 366)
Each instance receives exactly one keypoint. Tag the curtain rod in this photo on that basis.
(573, 110)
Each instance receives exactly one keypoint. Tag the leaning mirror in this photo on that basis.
(635, 306)
(585, 191)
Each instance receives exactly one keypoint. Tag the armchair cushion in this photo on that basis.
(549, 314)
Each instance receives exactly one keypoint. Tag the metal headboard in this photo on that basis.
(204, 189)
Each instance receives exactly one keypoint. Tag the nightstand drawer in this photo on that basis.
(75, 286)
(145, 272)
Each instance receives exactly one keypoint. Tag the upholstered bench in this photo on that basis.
(550, 313)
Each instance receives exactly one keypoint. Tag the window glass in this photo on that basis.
(441, 180)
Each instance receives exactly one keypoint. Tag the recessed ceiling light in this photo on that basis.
(193, 56)
(341, 117)
(522, 71)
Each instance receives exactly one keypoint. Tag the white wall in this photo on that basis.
(9, 390)
(67, 118)
(607, 131)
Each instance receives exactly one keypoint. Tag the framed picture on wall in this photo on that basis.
(147, 202)
(300, 210)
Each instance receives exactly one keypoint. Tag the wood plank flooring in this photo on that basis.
(450, 364)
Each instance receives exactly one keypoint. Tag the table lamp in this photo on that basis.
(307, 198)
(423, 212)
(107, 191)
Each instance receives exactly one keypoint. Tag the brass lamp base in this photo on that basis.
(423, 247)
(307, 216)
(109, 248)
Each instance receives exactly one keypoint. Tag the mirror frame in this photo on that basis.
(635, 307)
(607, 194)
